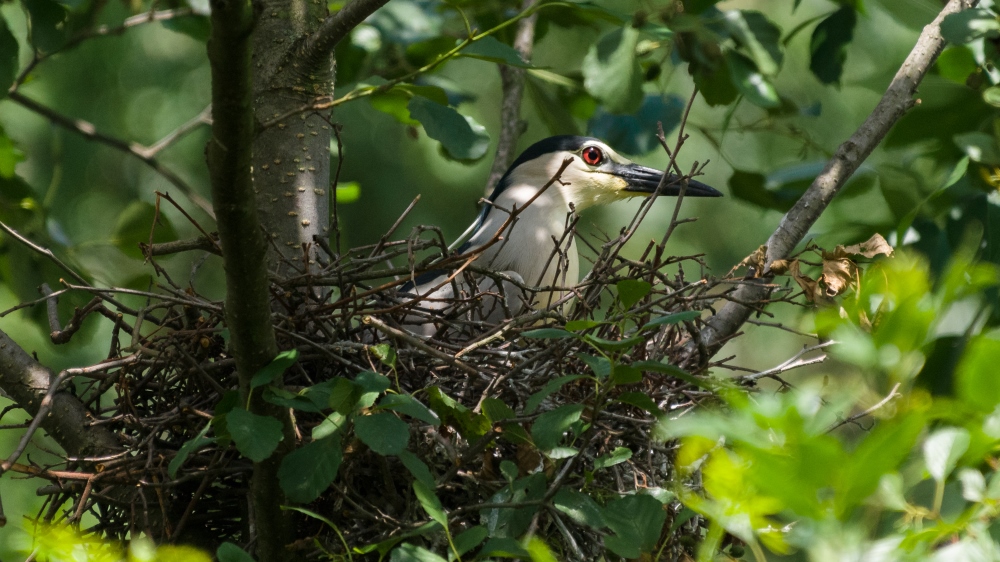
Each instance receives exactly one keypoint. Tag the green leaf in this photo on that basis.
(490, 49)
(430, 502)
(956, 63)
(975, 376)
(471, 538)
(8, 57)
(548, 429)
(48, 24)
(496, 410)
(881, 452)
(631, 291)
(394, 102)
(10, 155)
(227, 403)
(330, 425)
(385, 353)
(581, 325)
(968, 25)
(618, 456)
(611, 72)
(344, 396)
(579, 507)
(942, 449)
(548, 334)
(601, 366)
(624, 374)
(406, 404)
(189, 446)
(470, 424)
(383, 432)
(640, 400)
(758, 37)
(418, 469)
(829, 45)
(502, 547)
(991, 96)
(637, 522)
(614, 345)
(370, 381)
(275, 368)
(676, 318)
(751, 82)
(134, 225)
(535, 399)
(461, 136)
(309, 470)
(554, 113)
(256, 437)
(348, 192)
(229, 552)
(635, 133)
(979, 147)
(410, 553)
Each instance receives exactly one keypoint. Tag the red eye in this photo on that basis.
(592, 155)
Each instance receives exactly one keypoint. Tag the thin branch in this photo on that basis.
(892, 394)
(896, 101)
(794, 362)
(334, 29)
(89, 131)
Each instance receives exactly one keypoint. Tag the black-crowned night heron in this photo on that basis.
(523, 227)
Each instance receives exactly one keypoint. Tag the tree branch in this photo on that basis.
(28, 383)
(315, 51)
(896, 101)
(248, 306)
(89, 131)
(512, 80)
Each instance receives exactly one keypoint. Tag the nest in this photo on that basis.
(159, 392)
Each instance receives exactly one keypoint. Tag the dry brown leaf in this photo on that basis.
(874, 246)
(779, 267)
(838, 272)
(810, 287)
(754, 262)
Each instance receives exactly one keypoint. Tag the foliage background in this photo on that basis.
(144, 83)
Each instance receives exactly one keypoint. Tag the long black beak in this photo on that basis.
(645, 180)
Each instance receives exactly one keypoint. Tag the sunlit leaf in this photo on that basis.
(611, 72)
(579, 507)
(406, 404)
(275, 368)
(942, 449)
(967, 25)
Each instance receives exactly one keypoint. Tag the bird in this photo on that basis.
(522, 231)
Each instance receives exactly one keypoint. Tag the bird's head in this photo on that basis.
(597, 175)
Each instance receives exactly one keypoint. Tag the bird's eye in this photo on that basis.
(592, 155)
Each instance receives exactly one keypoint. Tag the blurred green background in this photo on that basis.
(142, 84)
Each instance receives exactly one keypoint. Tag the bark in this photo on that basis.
(512, 82)
(244, 247)
(896, 101)
(27, 382)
